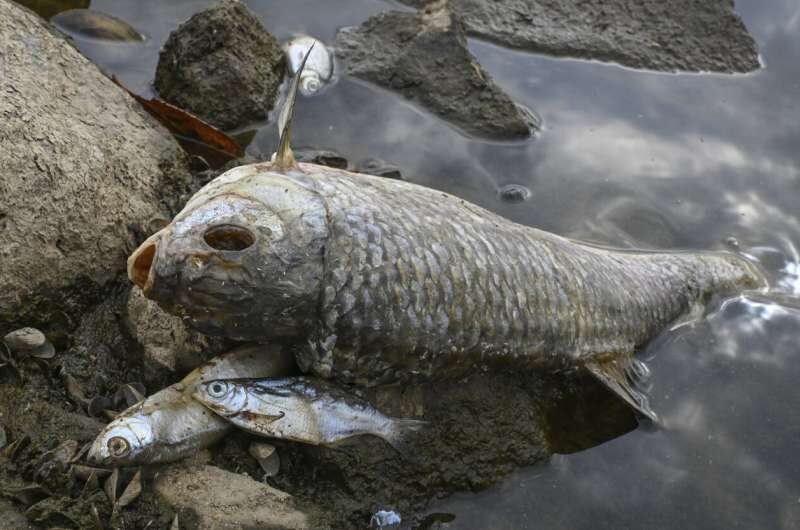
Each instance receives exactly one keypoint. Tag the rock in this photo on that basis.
(323, 157)
(220, 51)
(96, 25)
(379, 168)
(514, 193)
(207, 497)
(167, 345)
(81, 169)
(663, 35)
(267, 457)
(424, 56)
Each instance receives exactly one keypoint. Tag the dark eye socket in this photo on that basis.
(118, 446)
(229, 237)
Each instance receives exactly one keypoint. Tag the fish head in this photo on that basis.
(224, 397)
(244, 259)
(124, 441)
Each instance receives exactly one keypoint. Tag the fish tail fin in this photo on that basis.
(399, 434)
(284, 158)
(624, 376)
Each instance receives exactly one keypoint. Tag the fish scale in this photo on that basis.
(454, 286)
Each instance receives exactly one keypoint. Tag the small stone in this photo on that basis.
(96, 25)
(514, 193)
(379, 168)
(267, 457)
(98, 404)
(3, 437)
(323, 157)
(221, 499)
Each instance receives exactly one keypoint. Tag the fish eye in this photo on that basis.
(118, 446)
(218, 389)
(229, 237)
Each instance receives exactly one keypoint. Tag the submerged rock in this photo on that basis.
(424, 56)
(81, 173)
(96, 25)
(221, 51)
(664, 35)
(207, 497)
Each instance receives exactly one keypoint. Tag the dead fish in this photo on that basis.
(169, 425)
(377, 281)
(97, 25)
(318, 69)
(301, 409)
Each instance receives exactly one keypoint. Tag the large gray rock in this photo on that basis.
(688, 35)
(424, 56)
(222, 51)
(167, 345)
(82, 170)
(207, 497)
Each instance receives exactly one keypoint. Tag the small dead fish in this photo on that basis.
(169, 425)
(301, 409)
(318, 67)
(96, 25)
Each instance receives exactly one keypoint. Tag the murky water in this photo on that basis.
(627, 158)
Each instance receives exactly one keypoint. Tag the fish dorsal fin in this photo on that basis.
(284, 158)
(621, 374)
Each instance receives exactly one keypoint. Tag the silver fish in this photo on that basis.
(170, 425)
(378, 281)
(318, 69)
(301, 409)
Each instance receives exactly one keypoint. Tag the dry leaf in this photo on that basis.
(187, 125)
(110, 487)
(130, 494)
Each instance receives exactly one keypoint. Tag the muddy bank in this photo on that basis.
(666, 35)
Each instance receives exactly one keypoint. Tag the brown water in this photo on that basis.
(627, 158)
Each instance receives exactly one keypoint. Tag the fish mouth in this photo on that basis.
(141, 267)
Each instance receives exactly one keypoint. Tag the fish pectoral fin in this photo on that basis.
(621, 374)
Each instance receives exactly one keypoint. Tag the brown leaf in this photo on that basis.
(110, 487)
(131, 492)
(182, 123)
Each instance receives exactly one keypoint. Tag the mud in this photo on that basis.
(665, 35)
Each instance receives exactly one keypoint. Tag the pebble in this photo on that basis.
(384, 519)
(267, 457)
(379, 168)
(514, 193)
(3, 437)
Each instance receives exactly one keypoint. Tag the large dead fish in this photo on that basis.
(377, 280)
(170, 425)
(301, 409)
